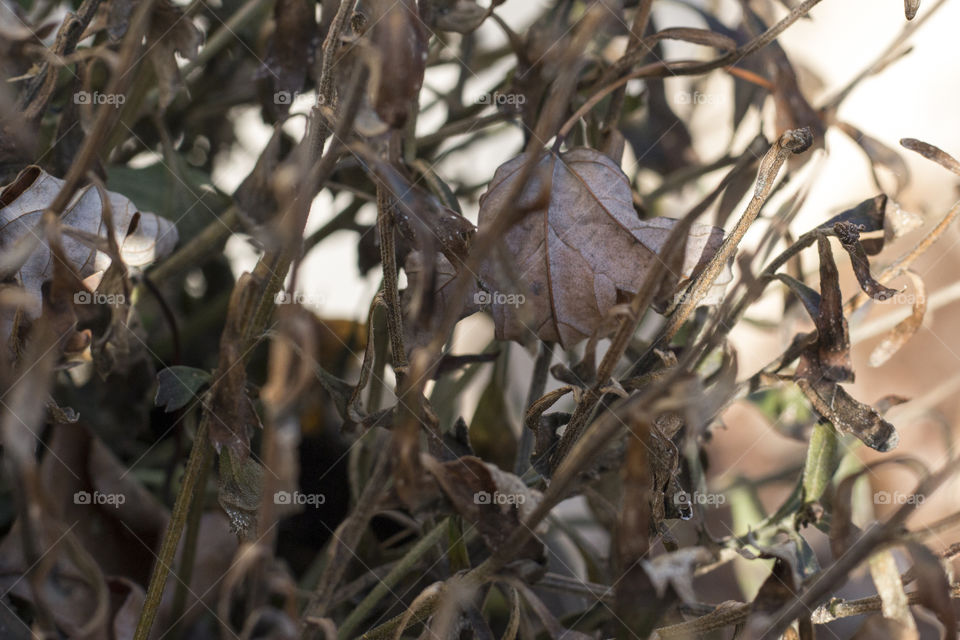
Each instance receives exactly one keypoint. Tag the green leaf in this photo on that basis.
(822, 461)
(176, 386)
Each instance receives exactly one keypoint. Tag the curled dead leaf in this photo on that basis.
(580, 250)
(905, 329)
(142, 237)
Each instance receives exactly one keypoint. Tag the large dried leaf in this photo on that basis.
(580, 250)
(142, 237)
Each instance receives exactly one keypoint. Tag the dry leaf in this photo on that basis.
(931, 152)
(910, 8)
(905, 329)
(143, 237)
(171, 33)
(492, 500)
(400, 37)
(579, 251)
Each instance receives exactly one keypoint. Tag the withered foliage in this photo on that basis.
(190, 453)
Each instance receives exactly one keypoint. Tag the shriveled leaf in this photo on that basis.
(910, 8)
(880, 155)
(170, 33)
(833, 403)
(849, 236)
(893, 598)
(126, 616)
(493, 501)
(400, 38)
(930, 152)
(660, 140)
(905, 329)
(870, 215)
(696, 36)
(233, 418)
(580, 250)
(143, 237)
(177, 385)
(808, 296)
(833, 334)
(241, 483)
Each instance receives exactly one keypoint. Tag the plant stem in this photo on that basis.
(402, 568)
(200, 456)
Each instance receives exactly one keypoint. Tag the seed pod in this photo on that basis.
(399, 35)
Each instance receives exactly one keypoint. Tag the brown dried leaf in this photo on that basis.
(833, 335)
(696, 36)
(231, 413)
(905, 329)
(401, 39)
(291, 49)
(492, 500)
(931, 152)
(910, 8)
(170, 33)
(580, 252)
(879, 154)
(848, 415)
(143, 237)
(849, 236)
(893, 598)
